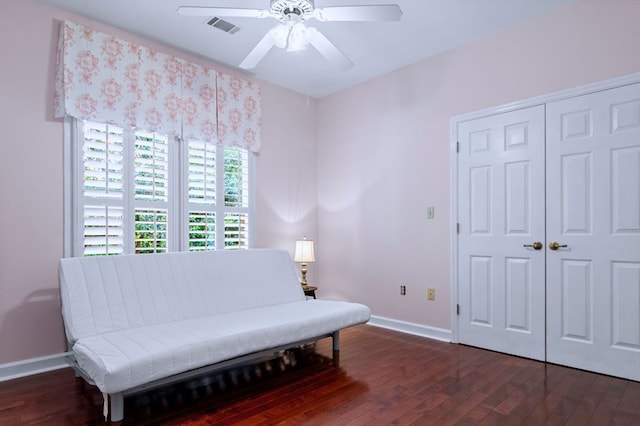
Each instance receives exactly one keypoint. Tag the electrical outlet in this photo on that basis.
(403, 290)
(431, 294)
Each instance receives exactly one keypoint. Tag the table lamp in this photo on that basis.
(304, 254)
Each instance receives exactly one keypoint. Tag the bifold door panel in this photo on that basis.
(593, 208)
(501, 215)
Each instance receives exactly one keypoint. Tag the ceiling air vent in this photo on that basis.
(223, 25)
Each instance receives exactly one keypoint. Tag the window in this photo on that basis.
(132, 191)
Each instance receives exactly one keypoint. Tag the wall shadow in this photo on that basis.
(33, 327)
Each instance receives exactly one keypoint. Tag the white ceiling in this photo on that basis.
(427, 27)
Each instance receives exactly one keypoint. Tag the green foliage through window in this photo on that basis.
(151, 231)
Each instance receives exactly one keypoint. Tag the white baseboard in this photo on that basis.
(28, 367)
(411, 328)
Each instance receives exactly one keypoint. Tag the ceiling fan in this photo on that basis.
(292, 33)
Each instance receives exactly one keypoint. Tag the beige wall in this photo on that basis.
(384, 149)
(31, 176)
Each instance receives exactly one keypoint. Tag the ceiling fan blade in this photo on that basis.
(258, 52)
(223, 11)
(330, 51)
(382, 12)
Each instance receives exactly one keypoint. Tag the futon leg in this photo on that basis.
(117, 406)
(336, 348)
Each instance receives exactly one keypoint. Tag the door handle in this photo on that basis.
(553, 245)
(536, 246)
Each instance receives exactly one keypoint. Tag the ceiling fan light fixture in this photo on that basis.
(299, 37)
(293, 37)
(279, 36)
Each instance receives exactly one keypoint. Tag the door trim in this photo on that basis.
(453, 161)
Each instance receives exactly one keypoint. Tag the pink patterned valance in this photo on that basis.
(104, 78)
(238, 112)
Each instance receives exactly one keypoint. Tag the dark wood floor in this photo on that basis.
(384, 378)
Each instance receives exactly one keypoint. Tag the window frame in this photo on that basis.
(178, 203)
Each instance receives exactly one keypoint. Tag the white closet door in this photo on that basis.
(501, 208)
(593, 208)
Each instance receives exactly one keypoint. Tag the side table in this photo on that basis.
(309, 290)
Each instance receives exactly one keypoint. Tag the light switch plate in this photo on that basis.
(431, 212)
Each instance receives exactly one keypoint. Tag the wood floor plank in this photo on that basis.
(384, 378)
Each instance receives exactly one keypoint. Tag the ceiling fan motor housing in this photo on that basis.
(288, 9)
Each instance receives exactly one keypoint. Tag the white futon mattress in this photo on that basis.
(124, 359)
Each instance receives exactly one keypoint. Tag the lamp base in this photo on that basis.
(303, 270)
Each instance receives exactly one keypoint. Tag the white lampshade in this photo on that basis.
(304, 251)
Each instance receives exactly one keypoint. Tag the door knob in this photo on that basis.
(536, 246)
(553, 245)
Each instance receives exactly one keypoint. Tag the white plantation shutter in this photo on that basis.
(103, 196)
(103, 230)
(202, 173)
(103, 160)
(151, 164)
(201, 195)
(215, 221)
(236, 231)
(236, 198)
(151, 167)
(236, 177)
(144, 192)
